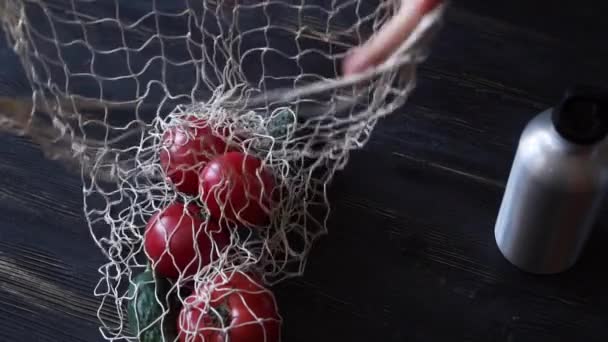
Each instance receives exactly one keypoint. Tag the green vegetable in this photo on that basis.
(146, 313)
(281, 123)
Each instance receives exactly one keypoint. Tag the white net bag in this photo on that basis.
(207, 133)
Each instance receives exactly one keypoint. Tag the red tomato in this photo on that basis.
(174, 236)
(239, 310)
(237, 187)
(185, 150)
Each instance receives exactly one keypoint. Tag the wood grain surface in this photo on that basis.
(411, 254)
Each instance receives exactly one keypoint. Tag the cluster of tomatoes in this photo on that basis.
(233, 187)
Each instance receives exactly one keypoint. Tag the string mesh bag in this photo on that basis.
(207, 133)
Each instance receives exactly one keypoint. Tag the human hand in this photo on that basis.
(386, 41)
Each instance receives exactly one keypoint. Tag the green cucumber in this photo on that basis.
(145, 311)
(281, 123)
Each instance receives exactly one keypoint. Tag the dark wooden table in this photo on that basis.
(411, 254)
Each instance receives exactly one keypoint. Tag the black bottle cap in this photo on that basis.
(582, 115)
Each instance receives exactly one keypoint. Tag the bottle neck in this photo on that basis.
(582, 116)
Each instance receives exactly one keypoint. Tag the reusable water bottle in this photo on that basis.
(556, 184)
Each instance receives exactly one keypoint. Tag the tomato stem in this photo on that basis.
(224, 315)
(201, 212)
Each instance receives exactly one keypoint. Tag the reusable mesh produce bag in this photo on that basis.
(206, 133)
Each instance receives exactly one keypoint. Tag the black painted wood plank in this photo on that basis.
(414, 259)
(48, 262)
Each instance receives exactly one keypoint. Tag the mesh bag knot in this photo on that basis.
(207, 133)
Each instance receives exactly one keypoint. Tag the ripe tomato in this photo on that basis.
(237, 186)
(174, 236)
(185, 150)
(238, 310)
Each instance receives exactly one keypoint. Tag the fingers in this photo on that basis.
(389, 38)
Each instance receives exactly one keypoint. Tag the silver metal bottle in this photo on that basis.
(557, 183)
